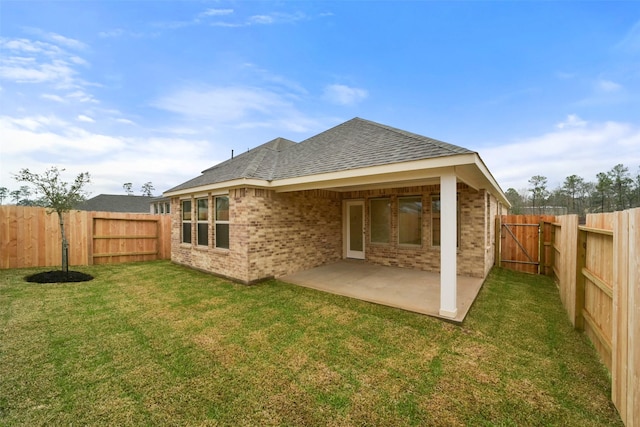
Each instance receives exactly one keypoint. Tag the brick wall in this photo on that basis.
(293, 231)
(231, 263)
(471, 251)
(274, 234)
(270, 234)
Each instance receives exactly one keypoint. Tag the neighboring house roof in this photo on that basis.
(357, 144)
(116, 203)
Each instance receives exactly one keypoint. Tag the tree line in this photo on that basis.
(615, 190)
(24, 196)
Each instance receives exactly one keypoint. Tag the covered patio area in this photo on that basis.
(412, 290)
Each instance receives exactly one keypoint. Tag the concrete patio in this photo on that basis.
(412, 290)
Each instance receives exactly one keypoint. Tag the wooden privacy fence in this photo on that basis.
(523, 242)
(597, 269)
(29, 237)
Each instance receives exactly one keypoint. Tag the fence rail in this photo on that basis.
(597, 269)
(29, 237)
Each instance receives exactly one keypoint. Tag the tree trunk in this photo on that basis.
(65, 245)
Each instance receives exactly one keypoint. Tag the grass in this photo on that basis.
(155, 343)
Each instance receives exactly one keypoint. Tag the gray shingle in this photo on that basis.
(117, 203)
(357, 143)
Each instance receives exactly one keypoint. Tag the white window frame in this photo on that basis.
(400, 199)
(371, 223)
(221, 222)
(200, 222)
(189, 221)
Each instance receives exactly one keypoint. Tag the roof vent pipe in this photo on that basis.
(232, 154)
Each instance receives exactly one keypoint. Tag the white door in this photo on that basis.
(355, 229)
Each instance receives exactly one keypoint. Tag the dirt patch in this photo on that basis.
(58, 276)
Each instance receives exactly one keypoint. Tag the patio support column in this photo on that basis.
(448, 244)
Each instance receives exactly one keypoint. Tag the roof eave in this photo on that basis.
(403, 172)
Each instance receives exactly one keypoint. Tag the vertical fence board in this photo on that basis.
(631, 312)
(619, 379)
(29, 237)
(522, 241)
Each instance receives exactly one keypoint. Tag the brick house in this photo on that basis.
(360, 190)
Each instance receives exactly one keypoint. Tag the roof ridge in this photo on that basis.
(254, 164)
(441, 144)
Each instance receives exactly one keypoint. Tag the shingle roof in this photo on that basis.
(117, 203)
(259, 162)
(354, 144)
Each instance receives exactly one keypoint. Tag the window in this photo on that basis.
(203, 222)
(380, 214)
(435, 221)
(186, 221)
(167, 208)
(410, 220)
(222, 222)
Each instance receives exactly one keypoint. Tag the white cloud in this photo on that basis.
(85, 119)
(39, 142)
(264, 19)
(38, 62)
(216, 12)
(46, 135)
(572, 120)
(237, 106)
(344, 95)
(220, 104)
(607, 86)
(579, 147)
(52, 97)
(81, 96)
(66, 41)
(125, 121)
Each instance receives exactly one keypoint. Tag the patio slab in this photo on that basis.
(412, 290)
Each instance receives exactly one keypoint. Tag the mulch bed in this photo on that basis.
(58, 276)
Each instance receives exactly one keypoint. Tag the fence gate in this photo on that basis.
(524, 239)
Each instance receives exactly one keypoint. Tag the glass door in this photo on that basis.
(355, 229)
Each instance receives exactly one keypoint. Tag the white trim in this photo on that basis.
(447, 313)
(217, 221)
(468, 167)
(448, 250)
(417, 169)
(351, 253)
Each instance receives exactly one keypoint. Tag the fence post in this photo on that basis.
(498, 234)
(552, 251)
(581, 262)
(541, 251)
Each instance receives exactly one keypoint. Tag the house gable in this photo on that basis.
(357, 152)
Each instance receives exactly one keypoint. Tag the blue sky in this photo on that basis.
(158, 91)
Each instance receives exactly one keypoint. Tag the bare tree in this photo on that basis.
(571, 188)
(128, 188)
(58, 196)
(539, 190)
(4, 192)
(16, 195)
(621, 185)
(147, 189)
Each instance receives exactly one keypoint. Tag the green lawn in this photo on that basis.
(155, 343)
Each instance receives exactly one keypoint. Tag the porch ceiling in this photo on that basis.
(411, 290)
